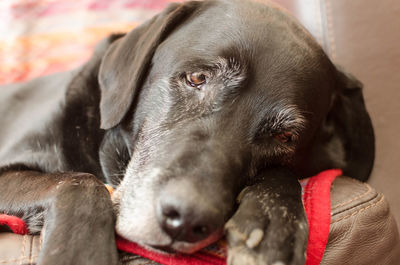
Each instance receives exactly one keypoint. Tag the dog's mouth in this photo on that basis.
(185, 247)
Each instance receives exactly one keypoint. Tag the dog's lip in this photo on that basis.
(176, 247)
(183, 247)
(164, 249)
(170, 249)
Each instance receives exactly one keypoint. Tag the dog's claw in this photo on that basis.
(255, 238)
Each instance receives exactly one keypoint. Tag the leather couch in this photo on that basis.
(362, 36)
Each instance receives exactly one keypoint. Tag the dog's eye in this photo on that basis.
(284, 137)
(196, 79)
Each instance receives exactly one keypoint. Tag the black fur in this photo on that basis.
(273, 109)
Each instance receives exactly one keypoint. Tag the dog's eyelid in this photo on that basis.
(283, 128)
(286, 137)
(282, 134)
(283, 119)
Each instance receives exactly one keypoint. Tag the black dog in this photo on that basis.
(208, 112)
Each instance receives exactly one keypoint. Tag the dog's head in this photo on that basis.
(203, 97)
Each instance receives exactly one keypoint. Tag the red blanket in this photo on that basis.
(316, 199)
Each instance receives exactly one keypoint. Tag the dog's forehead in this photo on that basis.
(260, 33)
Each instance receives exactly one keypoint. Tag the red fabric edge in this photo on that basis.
(181, 259)
(16, 224)
(317, 204)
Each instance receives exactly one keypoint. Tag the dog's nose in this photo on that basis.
(183, 220)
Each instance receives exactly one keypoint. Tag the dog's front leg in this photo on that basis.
(270, 225)
(75, 209)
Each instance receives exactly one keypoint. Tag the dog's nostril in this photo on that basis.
(172, 218)
(200, 230)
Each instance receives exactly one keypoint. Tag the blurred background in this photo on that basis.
(39, 37)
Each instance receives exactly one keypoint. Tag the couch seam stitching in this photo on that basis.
(369, 189)
(23, 249)
(17, 259)
(31, 250)
(40, 242)
(360, 210)
(331, 35)
(318, 18)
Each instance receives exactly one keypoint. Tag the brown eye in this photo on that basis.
(195, 79)
(284, 137)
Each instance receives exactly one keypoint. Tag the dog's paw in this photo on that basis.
(262, 233)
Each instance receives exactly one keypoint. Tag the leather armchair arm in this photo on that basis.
(363, 230)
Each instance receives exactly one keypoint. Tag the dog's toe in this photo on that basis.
(241, 255)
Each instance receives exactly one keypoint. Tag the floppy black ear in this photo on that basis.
(354, 123)
(126, 62)
(346, 138)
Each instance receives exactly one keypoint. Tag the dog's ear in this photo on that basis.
(349, 123)
(127, 61)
